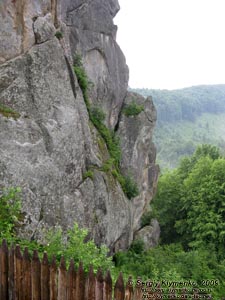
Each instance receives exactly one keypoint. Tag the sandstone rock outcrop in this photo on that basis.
(52, 144)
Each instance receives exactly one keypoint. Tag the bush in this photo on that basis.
(97, 114)
(9, 213)
(130, 187)
(137, 246)
(133, 109)
(72, 245)
(82, 79)
(78, 60)
(10, 218)
(146, 218)
(75, 247)
(59, 35)
(111, 140)
(127, 183)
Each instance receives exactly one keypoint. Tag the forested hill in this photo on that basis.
(186, 118)
(187, 103)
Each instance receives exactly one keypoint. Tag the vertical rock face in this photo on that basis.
(138, 151)
(16, 23)
(51, 144)
(92, 34)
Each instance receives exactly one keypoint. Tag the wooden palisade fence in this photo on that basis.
(25, 278)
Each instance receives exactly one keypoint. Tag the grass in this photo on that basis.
(8, 112)
(88, 174)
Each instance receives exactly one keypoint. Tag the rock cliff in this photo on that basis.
(48, 143)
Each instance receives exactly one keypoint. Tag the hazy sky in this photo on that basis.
(173, 43)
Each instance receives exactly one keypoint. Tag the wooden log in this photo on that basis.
(71, 282)
(184, 293)
(159, 291)
(18, 273)
(90, 285)
(99, 285)
(172, 294)
(80, 283)
(129, 290)
(148, 291)
(119, 289)
(53, 280)
(36, 276)
(4, 271)
(107, 293)
(196, 293)
(11, 274)
(137, 291)
(62, 280)
(27, 293)
(45, 278)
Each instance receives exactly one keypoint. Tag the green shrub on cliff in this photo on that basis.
(59, 35)
(97, 114)
(72, 245)
(97, 117)
(9, 212)
(82, 78)
(132, 109)
(75, 246)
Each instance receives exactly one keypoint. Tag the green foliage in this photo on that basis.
(133, 109)
(108, 166)
(82, 79)
(190, 207)
(77, 248)
(88, 174)
(8, 112)
(146, 218)
(165, 205)
(110, 138)
(78, 60)
(190, 202)
(127, 183)
(130, 187)
(188, 103)
(97, 114)
(71, 245)
(186, 118)
(9, 212)
(171, 262)
(137, 246)
(59, 35)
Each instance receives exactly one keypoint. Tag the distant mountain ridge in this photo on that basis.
(187, 103)
(185, 118)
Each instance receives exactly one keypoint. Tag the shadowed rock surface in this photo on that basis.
(48, 149)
